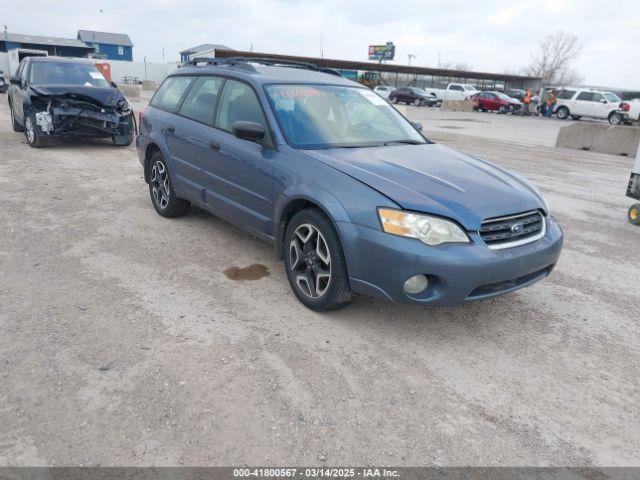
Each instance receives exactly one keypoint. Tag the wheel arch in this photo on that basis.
(291, 202)
(155, 144)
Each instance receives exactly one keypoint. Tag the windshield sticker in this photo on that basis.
(297, 92)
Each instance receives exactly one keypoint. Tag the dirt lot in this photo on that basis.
(123, 341)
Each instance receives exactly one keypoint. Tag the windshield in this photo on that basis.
(328, 116)
(504, 97)
(63, 73)
(468, 87)
(612, 97)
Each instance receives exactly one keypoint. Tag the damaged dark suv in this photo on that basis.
(60, 97)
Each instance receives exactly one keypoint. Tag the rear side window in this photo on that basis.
(456, 87)
(200, 102)
(566, 94)
(238, 104)
(585, 96)
(170, 93)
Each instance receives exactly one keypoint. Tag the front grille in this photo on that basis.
(514, 230)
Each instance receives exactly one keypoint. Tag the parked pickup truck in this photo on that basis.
(454, 91)
(630, 111)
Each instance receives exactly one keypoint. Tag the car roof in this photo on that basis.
(51, 59)
(266, 74)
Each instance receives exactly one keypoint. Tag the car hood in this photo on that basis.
(104, 96)
(435, 179)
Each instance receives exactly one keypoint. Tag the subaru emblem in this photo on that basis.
(517, 228)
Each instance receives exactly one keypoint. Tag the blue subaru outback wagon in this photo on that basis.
(351, 195)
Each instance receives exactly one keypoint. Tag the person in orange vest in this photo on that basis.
(526, 102)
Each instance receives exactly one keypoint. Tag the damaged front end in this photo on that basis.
(62, 114)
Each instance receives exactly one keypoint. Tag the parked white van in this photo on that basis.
(582, 102)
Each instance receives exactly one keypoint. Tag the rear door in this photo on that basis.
(167, 100)
(17, 92)
(238, 180)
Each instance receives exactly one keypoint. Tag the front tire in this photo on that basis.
(615, 118)
(394, 100)
(124, 140)
(562, 113)
(502, 110)
(163, 196)
(31, 131)
(314, 262)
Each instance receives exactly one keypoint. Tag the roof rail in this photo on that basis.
(245, 63)
(212, 61)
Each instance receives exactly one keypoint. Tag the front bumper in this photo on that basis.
(380, 263)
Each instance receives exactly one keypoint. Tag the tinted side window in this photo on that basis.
(200, 102)
(585, 96)
(597, 97)
(170, 93)
(238, 104)
(566, 94)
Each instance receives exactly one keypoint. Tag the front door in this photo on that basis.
(239, 178)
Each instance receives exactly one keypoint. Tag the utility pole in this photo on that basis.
(410, 55)
(163, 55)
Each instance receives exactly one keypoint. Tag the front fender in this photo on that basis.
(326, 201)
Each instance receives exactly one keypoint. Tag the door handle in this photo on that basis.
(215, 146)
(169, 129)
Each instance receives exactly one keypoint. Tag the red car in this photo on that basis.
(495, 102)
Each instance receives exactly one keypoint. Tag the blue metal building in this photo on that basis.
(61, 47)
(110, 46)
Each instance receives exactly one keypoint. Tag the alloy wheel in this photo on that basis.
(31, 134)
(160, 185)
(310, 261)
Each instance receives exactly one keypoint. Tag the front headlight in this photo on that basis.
(430, 230)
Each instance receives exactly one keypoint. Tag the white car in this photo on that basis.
(454, 91)
(383, 90)
(629, 113)
(581, 102)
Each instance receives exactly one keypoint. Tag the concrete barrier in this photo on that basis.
(458, 105)
(613, 139)
(130, 91)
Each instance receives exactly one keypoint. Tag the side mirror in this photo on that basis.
(417, 126)
(603, 100)
(15, 80)
(251, 131)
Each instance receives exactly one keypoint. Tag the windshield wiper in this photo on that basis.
(404, 142)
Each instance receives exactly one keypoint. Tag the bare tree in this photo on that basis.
(553, 59)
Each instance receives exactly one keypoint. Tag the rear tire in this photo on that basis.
(417, 102)
(615, 118)
(163, 196)
(14, 123)
(634, 214)
(562, 113)
(314, 262)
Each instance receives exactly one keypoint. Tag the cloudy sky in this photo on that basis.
(489, 35)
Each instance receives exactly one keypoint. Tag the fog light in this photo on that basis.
(416, 284)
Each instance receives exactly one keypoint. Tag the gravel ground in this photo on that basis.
(129, 339)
